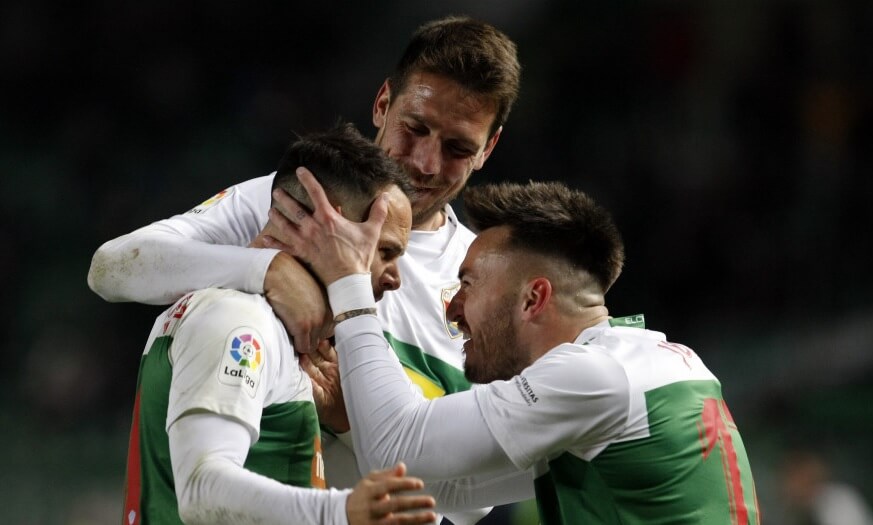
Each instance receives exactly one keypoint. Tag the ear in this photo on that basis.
(536, 296)
(489, 147)
(380, 105)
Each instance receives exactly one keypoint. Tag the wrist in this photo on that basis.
(351, 295)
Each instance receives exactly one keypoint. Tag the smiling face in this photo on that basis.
(438, 132)
(384, 273)
(487, 308)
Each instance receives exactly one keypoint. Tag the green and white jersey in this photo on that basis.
(623, 426)
(222, 352)
(414, 318)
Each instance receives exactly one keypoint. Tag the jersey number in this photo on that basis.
(716, 425)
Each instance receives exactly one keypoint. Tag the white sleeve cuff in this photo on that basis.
(351, 292)
(257, 272)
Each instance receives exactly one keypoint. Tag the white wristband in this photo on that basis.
(352, 292)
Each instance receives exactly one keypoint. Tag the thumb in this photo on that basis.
(378, 211)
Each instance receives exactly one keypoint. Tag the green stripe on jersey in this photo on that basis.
(447, 377)
(692, 468)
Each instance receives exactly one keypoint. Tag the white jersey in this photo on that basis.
(430, 348)
(619, 426)
(225, 353)
(414, 316)
(224, 341)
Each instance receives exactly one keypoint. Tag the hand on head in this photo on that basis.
(330, 244)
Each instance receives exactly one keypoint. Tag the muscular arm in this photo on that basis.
(208, 452)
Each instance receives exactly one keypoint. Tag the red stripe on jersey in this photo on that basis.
(715, 412)
(133, 483)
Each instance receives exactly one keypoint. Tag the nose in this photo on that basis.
(455, 311)
(426, 156)
(390, 279)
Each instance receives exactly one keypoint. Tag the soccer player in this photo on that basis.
(225, 428)
(618, 424)
(440, 114)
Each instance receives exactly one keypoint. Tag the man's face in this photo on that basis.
(486, 309)
(392, 243)
(438, 132)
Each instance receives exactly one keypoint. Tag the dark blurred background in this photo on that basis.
(732, 140)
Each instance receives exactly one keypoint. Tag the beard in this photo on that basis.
(497, 354)
(427, 203)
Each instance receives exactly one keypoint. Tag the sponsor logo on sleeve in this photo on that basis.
(211, 201)
(243, 360)
(526, 391)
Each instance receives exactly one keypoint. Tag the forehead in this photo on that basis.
(399, 221)
(488, 252)
(443, 104)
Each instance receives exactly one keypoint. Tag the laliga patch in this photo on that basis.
(446, 295)
(212, 201)
(243, 360)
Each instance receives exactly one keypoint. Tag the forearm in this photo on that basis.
(212, 486)
(391, 422)
(157, 265)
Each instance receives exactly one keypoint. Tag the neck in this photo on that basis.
(565, 329)
(431, 223)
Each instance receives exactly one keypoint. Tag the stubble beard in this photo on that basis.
(495, 364)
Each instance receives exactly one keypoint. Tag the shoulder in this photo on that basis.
(577, 363)
(255, 192)
(220, 307)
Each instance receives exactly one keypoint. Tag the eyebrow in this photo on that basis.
(392, 248)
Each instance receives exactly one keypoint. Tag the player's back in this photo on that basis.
(680, 457)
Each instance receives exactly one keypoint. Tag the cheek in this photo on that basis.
(457, 171)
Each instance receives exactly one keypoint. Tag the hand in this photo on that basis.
(323, 369)
(331, 244)
(374, 499)
(299, 301)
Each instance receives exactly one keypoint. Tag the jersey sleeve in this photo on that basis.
(213, 486)
(202, 248)
(569, 398)
(221, 362)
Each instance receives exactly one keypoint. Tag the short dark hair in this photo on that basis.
(550, 219)
(351, 169)
(475, 54)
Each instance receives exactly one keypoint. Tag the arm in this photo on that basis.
(203, 248)
(206, 247)
(208, 452)
(391, 420)
(213, 420)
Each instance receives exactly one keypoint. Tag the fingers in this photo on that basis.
(392, 507)
(289, 207)
(313, 189)
(326, 351)
(405, 510)
(398, 470)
